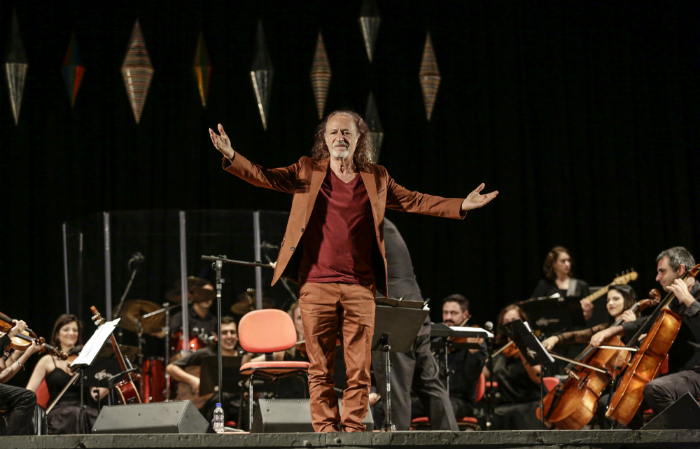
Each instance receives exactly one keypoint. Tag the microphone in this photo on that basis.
(488, 326)
(136, 259)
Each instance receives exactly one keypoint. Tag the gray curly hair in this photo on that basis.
(364, 152)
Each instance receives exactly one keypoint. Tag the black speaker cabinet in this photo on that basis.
(156, 417)
(289, 415)
(682, 414)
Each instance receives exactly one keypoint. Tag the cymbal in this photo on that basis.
(194, 294)
(133, 310)
(246, 302)
(129, 352)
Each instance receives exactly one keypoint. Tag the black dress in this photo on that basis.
(64, 418)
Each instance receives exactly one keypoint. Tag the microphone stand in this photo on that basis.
(121, 301)
(489, 402)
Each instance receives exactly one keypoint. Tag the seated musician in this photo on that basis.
(198, 314)
(465, 365)
(64, 418)
(557, 270)
(18, 403)
(518, 382)
(187, 369)
(620, 299)
(684, 356)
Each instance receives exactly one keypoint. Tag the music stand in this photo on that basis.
(395, 330)
(554, 314)
(445, 331)
(533, 351)
(87, 356)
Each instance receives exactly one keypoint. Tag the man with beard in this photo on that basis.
(464, 366)
(187, 371)
(340, 197)
(684, 356)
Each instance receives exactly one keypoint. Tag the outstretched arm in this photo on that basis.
(400, 198)
(222, 142)
(476, 200)
(283, 179)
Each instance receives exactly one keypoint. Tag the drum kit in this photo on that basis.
(146, 317)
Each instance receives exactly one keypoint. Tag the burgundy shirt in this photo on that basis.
(338, 238)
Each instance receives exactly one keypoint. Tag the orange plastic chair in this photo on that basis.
(42, 395)
(267, 331)
(550, 383)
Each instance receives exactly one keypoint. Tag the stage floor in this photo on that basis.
(607, 439)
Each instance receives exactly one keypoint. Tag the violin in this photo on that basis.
(128, 394)
(662, 329)
(572, 404)
(23, 340)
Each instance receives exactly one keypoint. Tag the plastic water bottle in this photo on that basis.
(218, 421)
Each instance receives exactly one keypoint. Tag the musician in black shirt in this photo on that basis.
(684, 356)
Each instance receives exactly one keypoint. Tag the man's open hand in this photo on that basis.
(476, 200)
(221, 142)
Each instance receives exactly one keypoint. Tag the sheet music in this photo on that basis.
(93, 346)
(475, 330)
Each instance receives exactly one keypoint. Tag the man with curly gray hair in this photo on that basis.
(334, 248)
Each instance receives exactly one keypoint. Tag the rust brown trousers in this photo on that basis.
(337, 308)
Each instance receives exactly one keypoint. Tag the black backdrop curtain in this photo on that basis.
(583, 114)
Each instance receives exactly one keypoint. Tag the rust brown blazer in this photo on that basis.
(304, 178)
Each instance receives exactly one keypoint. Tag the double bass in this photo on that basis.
(661, 328)
(128, 394)
(573, 404)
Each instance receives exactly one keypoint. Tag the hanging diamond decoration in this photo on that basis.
(261, 75)
(375, 126)
(320, 76)
(73, 70)
(137, 72)
(16, 67)
(369, 23)
(202, 69)
(429, 77)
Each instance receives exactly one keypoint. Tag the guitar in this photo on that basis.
(184, 390)
(624, 279)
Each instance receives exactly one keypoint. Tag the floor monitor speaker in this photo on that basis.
(155, 417)
(682, 414)
(289, 415)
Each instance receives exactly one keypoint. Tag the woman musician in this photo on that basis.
(64, 418)
(620, 299)
(518, 382)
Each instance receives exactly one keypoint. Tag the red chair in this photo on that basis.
(42, 395)
(550, 383)
(467, 421)
(267, 331)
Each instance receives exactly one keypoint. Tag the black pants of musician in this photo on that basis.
(19, 404)
(664, 391)
(417, 369)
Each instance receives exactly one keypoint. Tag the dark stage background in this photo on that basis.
(583, 114)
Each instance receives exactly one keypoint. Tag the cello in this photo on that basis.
(661, 328)
(128, 394)
(573, 404)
